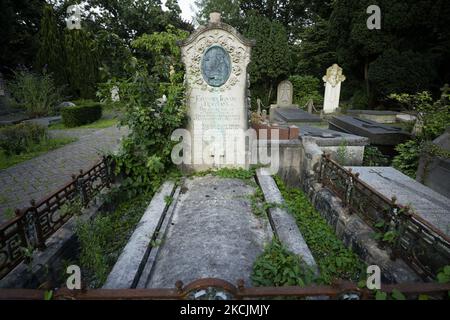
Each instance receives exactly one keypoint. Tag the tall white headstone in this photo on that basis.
(216, 58)
(333, 80)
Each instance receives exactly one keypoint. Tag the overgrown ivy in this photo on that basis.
(334, 260)
(154, 106)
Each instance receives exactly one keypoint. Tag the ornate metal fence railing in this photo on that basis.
(217, 289)
(409, 237)
(32, 226)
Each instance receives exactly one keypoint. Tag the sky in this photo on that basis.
(187, 7)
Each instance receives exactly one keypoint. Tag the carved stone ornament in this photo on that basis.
(334, 75)
(215, 57)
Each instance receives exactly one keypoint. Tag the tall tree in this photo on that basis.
(269, 62)
(229, 9)
(50, 54)
(82, 63)
(19, 23)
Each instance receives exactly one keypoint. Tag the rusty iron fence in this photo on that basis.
(217, 289)
(424, 247)
(32, 226)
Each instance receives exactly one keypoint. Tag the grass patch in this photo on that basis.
(33, 151)
(99, 124)
(334, 260)
(103, 238)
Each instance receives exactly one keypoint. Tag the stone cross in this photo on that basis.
(333, 80)
(284, 94)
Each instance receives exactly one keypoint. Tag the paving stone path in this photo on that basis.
(38, 177)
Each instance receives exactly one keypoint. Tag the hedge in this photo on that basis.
(81, 114)
(17, 138)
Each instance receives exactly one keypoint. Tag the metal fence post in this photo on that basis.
(81, 188)
(40, 241)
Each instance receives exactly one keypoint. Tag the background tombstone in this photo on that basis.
(284, 94)
(216, 58)
(333, 80)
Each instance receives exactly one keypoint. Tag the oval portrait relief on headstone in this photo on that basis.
(216, 66)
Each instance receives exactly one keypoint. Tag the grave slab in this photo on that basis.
(379, 134)
(294, 116)
(428, 204)
(213, 233)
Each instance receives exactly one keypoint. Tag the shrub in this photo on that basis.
(374, 158)
(38, 94)
(17, 138)
(408, 156)
(84, 113)
(359, 100)
(306, 88)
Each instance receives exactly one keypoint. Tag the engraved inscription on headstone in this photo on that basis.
(216, 58)
(216, 66)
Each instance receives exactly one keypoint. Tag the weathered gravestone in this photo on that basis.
(285, 111)
(333, 80)
(284, 94)
(216, 58)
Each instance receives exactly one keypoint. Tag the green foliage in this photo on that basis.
(314, 54)
(113, 52)
(81, 114)
(335, 261)
(359, 100)
(82, 63)
(408, 53)
(374, 158)
(395, 71)
(229, 10)
(408, 156)
(17, 138)
(269, 62)
(146, 152)
(38, 94)
(434, 117)
(50, 55)
(306, 88)
(444, 275)
(234, 173)
(103, 238)
(276, 266)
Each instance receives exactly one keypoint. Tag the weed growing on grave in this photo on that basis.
(334, 260)
(276, 266)
(103, 238)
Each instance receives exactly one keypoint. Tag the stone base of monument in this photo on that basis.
(378, 134)
(349, 147)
